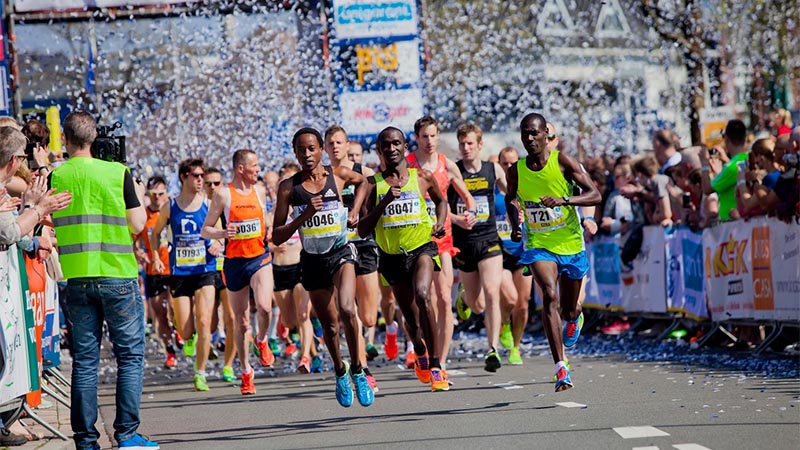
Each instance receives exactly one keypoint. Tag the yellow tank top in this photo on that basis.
(405, 224)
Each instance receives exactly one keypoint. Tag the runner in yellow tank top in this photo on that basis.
(540, 183)
(396, 212)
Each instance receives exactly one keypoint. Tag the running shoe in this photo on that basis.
(462, 310)
(390, 347)
(171, 362)
(573, 331)
(316, 364)
(305, 365)
(290, 350)
(411, 358)
(212, 353)
(188, 346)
(265, 356)
(200, 384)
(227, 375)
(178, 339)
(569, 367)
(514, 357)
(492, 362)
(506, 338)
(247, 387)
(364, 391)
(344, 392)
(616, 328)
(273, 346)
(373, 383)
(422, 368)
(439, 381)
(563, 380)
(372, 352)
(137, 441)
(317, 326)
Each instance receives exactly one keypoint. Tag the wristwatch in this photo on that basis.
(566, 199)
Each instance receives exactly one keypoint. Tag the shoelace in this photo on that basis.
(571, 327)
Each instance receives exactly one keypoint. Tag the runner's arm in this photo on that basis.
(500, 178)
(589, 196)
(218, 202)
(155, 235)
(368, 223)
(283, 231)
(356, 179)
(512, 212)
(457, 182)
(442, 208)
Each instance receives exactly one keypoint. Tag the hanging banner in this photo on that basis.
(685, 293)
(785, 258)
(17, 330)
(37, 286)
(728, 266)
(645, 281)
(608, 272)
(51, 337)
(5, 85)
(60, 5)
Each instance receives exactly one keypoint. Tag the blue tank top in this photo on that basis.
(504, 226)
(189, 253)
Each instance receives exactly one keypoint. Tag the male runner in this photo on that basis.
(247, 258)
(426, 157)
(327, 260)
(541, 184)
(192, 262)
(213, 181)
(480, 261)
(403, 232)
(367, 280)
(156, 282)
(355, 152)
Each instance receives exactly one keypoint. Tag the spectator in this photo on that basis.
(665, 150)
(618, 213)
(652, 188)
(38, 136)
(781, 122)
(102, 281)
(784, 201)
(720, 167)
(781, 146)
(750, 190)
(703, 209)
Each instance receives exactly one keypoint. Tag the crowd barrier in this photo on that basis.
(741, 270)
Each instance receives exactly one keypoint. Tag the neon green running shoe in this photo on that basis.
(227, 375)
(555, 377)
(200, 384)
(462, 310)
(506, 338)
(188, 346)
(273, 346)
(514, 357)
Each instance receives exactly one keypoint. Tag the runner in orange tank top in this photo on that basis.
(248, 262)
(447, 174)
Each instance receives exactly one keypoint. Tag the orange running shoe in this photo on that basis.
(439, 381)
(247, 387)
(290, 350)
(265, 355)
(422, 369)
(171, 362)
(305, 365)
(411, 358)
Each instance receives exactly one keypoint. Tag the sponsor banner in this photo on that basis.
(17, 331)
(5, 85)
(727, 254)
(785, 257)
(37, 287)
(380, 65)
(363, 19)
(366, 113)
(605, 265)
(645, 281)
(51, 345)
(56, 5)
(685, 291)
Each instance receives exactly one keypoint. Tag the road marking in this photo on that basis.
(571, 405)
(639, 432)
(455, 372)
(508, 386)
(690, 447)
(646, 448)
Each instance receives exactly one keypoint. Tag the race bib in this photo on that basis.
(247, 229)
(403, 211)
(190, 253)
(482, 208)
(431, 207)
(541, 218)
(327, 222)
(503, 227)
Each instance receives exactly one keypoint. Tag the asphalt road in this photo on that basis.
(616, 404)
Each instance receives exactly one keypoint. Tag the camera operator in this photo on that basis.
(96, 254)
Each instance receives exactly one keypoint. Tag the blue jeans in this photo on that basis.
(116, 301)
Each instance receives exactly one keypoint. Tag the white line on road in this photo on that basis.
(639, 432)
(508, 386)
(690, 447)
(646, 448)
(571, 405)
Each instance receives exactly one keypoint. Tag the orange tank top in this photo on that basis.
(247, 213)
(163, 248)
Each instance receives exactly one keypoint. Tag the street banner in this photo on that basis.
(17, 330)
(51, 337)
(644, 283)
(60, 5)
(685, 293)
(37, 286)
(5, 84)
(607, 272)
(785, 267)
(728, 266)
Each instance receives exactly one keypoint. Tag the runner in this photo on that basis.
(355, 152)
(291, 297)
(213, 181)
(426, 129)
(247, 260)
(515, 289)
(480, 261)
(327, 261)
(367, 281)
(156, 282)
(192, 262)
(408, 257)
(554, 249)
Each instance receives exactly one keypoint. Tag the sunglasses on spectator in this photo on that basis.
(214, 183)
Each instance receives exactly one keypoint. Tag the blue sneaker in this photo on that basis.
(563, 380)
(363, 390)
(316, 325)
(572, 331)
(138, 442)
(344, 392)
(316, 364)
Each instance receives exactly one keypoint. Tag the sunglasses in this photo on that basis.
(197, 174)
(214, 183)
(551, 137)
(158, 194)
(21, 158)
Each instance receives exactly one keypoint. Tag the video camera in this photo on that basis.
(107, 146)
